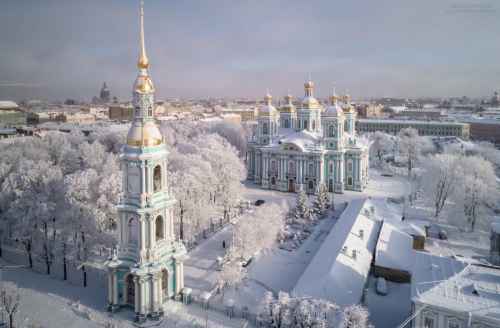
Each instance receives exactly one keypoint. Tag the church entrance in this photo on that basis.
(130, 290)
(164, 283)
(291, 187)
(273, 181)
(330, 185)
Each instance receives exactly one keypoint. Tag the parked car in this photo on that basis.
(443, 235)
(259, 202)
(381, 287)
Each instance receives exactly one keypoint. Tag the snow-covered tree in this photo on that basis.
(10, 301)
(355, 316)
(411, 146)
(381, 145)
(302, 210)
(477, 189)
(258, 231)
(439, 179)
(230, 275)
(322, 200)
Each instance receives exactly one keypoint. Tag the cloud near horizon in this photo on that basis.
(59, 49)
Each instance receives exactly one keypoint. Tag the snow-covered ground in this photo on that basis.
(48, 302)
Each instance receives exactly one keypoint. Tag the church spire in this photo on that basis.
(143, 62)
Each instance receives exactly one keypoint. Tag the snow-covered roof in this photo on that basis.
(431, 270)
(267, 109)
(335, 273)
(302, 139)
(495, 226)
(7, 104)
(474, 290)
(333, 110)
(394, 249)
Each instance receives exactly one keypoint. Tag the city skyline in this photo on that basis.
(60, 50)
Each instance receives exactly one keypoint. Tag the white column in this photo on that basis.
(159, 290)
(143, 178)
(115, 288)
(110, 287)
(152, 232)
(137, 295)
(154, 291)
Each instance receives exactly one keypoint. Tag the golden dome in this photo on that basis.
(143, 62)
(268, 98)
(144, 135)
(143, 84)
(309, 85)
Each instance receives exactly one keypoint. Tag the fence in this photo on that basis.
(76, 274)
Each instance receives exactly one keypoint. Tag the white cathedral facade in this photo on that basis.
(299, 148)
(147, 269)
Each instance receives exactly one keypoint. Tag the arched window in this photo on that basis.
(331, 131)
(330, 167)
(264, 128)
(311, 169)
(157, 178)
(306, 124)
(314, 125)
(159, 228)
(133, 231)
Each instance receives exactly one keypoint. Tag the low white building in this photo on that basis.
(339, 270)
(447, 293)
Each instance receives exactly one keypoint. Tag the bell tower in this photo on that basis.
(147, 267)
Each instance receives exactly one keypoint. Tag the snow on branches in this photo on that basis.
(297, 312)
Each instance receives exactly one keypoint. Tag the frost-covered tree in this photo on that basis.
(322, 200)
(302, 210)
(381, 145)
(477, 189)
(411, 146)
(300, 312)
(230, 275)
(440, 178)
(258, 231)
(10, 301)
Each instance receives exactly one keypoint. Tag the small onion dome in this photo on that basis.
(144, 135)
(268, 109)
(288, 107)
(143, 84)
(309, 85)
(310, 102)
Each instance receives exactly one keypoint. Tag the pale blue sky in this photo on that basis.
(200, 48)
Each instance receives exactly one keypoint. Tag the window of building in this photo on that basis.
(157, 178)
(159, 228)
(287, 124)
(429, 322)
(331, 131)
(273, 165)
(330, 167)
(291, 168)
(306, 124)
(314, 125)
(265, 128)
(311, 169)
(133, 231)
(330, 185)
(311, 185)
(349, 166)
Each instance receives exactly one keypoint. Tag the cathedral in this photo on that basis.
(147, 268)
(300, 147)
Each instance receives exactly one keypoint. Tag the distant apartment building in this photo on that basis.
(80, 118)
(231, 118)
(11, 115)
(484, 129)
(246, 114)
(121, 113)
(424, 128)
(420, 114)
(369, 110)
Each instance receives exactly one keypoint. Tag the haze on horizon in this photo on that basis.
(58, 49)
